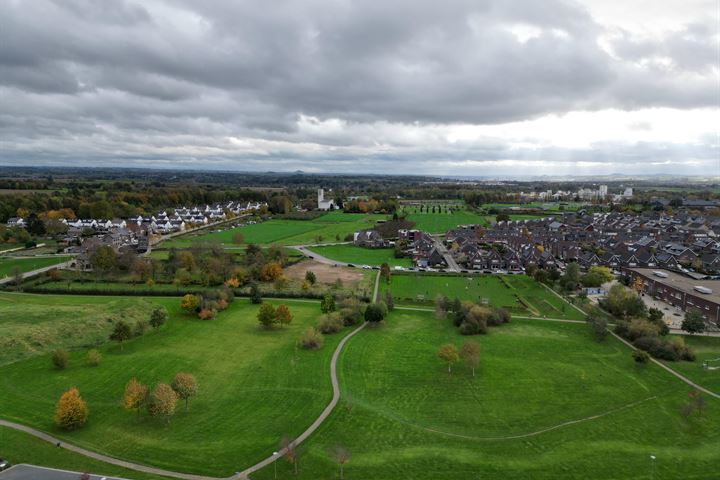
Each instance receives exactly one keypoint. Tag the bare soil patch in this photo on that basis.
(323, 272)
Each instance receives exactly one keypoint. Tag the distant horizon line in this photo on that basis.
(491, 177)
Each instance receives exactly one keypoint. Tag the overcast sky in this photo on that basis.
(476, 87)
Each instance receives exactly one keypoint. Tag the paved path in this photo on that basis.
(657, 362)
(325, 413)
(318, 421)
(665, 367)
(318, 257)
(186, 476)
(99, 456)
(32, 273)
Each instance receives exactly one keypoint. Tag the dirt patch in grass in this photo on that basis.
(323, 272)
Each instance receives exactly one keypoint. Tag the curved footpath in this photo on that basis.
(325, 413)
(311, 429)
(99, 456)
(187, 476)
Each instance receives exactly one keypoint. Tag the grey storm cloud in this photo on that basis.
(113, 78)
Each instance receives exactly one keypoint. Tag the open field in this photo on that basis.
(27, 264)
(403, 416)
(518, 293)
(18, 447)
(706, 348)
(442, 222)
(35, 324)
(254, 387)
(362, 256)
(327, 228)
(548, 206)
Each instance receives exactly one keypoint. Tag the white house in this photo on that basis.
(324, 204)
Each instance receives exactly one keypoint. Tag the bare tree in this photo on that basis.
(341, 455)
(470, 353)
(18, 277)
(292, 451)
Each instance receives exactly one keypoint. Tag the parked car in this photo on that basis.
(4, 465)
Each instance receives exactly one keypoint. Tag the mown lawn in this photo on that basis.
(362, 256)
(442, 222)
(328, 228)
(27, 264)
(17, 447)
(518, 293)
(705, 348)
(254, 387)
(402, 415)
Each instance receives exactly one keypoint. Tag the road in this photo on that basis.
(452, 265)
(304, 250)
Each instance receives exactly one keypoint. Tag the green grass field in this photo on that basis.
(442, 222)
(362, 256)
(706, 348)
(518, 293)
(327, 228)
(402, 415)
(255, 387)
(549, 206)
(27, 264)
(35, 324)
(17, 447)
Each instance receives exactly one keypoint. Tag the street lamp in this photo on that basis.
(652, 463)
(275, 464)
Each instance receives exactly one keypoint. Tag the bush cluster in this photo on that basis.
(311, 339)
(470, 318)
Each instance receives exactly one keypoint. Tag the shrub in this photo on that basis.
(383, 307)
(311, 339)
(351, 311)
(622, 328)
(374, 314)
(60, 359)
(141, 326)
(664, 351)
(71, 412)
(640, 327)
(328, 304)
(640, 356)
(330, 323)
(255, 297)
(266, 315)
(158, 317)
(93, 358)
(190, 303)
(475, 320)
(207, 314)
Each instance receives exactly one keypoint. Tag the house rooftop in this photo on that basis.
(683, 283)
